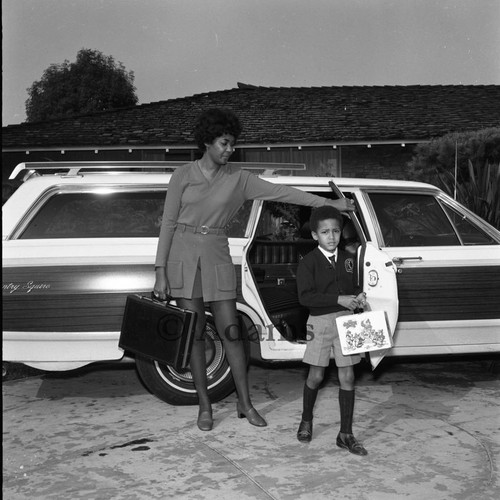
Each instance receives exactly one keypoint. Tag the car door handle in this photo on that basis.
(400, 260)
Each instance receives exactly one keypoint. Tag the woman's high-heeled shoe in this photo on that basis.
(251, 415)
(205, 421)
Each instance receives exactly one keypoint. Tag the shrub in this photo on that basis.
(466, 166)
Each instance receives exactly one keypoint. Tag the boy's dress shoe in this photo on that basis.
(351, 444)
(305, 432)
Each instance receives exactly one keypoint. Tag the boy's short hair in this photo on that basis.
(323, 213)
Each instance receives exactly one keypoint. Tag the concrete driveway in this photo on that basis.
(431, 430)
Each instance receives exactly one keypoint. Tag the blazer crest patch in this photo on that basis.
(349, 265)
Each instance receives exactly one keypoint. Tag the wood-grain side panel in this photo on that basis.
(453, 293)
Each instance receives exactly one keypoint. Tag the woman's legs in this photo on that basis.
(227, 324)
(198, 363)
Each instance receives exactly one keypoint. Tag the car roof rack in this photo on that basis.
(73, 168)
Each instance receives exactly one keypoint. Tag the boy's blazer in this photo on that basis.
(319, 284)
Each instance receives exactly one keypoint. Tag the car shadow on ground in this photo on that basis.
(15, 371)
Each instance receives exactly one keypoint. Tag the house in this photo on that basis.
(367, 131)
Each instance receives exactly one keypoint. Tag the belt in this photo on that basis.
(200, 229)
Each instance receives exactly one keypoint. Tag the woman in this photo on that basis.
(193, 263)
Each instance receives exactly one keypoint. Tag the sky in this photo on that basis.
(178, 48)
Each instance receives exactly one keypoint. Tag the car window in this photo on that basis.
(236, 228)
(279, 222)
(116, 215)
(412, 220)
(96, 215)
(469, 232)
(288, 222)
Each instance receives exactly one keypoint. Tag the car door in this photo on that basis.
(448, 272)
(377, 273)
(279, 289)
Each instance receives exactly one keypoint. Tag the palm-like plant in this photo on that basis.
(480, 193)
(474, 159)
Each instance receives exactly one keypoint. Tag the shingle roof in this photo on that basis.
(278, 115)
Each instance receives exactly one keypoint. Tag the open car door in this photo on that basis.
(377, 273)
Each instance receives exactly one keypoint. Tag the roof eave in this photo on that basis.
(168, 147)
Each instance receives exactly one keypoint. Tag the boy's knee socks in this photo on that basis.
(346, 402)
(308, 402)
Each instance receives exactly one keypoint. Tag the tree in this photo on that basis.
(94, 82)
(466, 166)
(431, 159)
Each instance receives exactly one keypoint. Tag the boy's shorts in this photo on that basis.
(323, 334)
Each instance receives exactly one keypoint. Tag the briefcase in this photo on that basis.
(158, 330)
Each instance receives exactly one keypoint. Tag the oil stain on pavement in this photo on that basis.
(431, 431)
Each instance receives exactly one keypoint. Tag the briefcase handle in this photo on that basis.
(156, 299)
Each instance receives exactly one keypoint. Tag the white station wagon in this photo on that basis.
(79, 237)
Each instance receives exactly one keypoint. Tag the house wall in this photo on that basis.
(379, 161)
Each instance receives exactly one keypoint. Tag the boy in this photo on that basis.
(325, 281)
